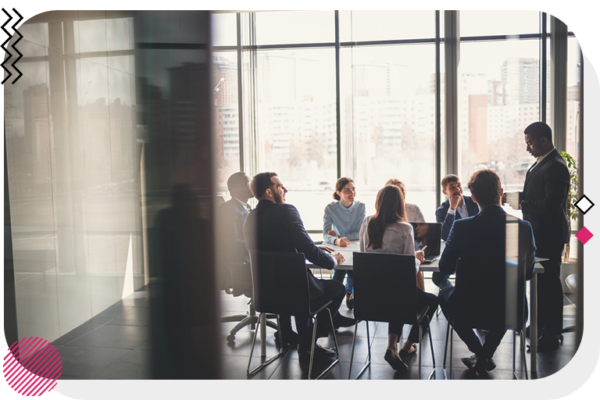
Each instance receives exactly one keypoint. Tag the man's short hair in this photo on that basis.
(235, 181)
(538, 130)
(260, 183)
(449, 178)
(485, 187)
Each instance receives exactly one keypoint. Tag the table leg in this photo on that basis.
(263, 335)
(534, 324)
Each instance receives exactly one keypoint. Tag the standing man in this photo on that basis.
(454, 208)
(482, 237)
(544, 205)
(276, 226)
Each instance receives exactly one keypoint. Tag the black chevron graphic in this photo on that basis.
(4, 44)
(14, 46)
(7, 30)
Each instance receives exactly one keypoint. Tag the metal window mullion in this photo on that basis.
(543, 68)
(451, 48)
(337, 96)
(240, 91)
(558, 100)
(438, 112)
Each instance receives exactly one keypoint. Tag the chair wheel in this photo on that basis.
(230, 338)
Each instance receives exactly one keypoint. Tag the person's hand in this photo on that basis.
(332, 233)
(343, 242)
(420, 255)
(326, 249)
(455, 201)
(339, 257)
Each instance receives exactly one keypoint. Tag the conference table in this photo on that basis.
(434, 267)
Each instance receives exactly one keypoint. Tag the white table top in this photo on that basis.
(432, 267)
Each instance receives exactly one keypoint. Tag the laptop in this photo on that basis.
(430, 235)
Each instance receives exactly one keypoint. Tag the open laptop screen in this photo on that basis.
(430, 235)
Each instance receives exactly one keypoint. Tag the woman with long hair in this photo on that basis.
(387, 231)
(341, 224)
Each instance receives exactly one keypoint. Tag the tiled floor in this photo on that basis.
(114, 345)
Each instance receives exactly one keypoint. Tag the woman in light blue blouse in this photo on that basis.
(341, 224)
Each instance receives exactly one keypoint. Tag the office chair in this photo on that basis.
(385, 290)
(280, 286)
(489, 295)
(236, 279)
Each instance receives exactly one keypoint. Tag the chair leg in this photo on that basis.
(451, 337)
(364, 368)
(249, 320)
(514, 352)
(312, 353)
(446, 349)
(269, 361)
(523, 355)
(431, 345)
(421, 344)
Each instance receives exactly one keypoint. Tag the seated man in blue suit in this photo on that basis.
(482, 236)
(276, 226)
(454, 208)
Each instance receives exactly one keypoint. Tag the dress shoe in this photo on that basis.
(343, 322)
(396, 363)
(289, 339)
(479, 363)
(547, 343)
(404, 353)
(320, 353)
(350, 301)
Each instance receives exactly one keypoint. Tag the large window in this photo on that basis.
(381, 70)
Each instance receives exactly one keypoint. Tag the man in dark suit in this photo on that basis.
(454, 208)
(544, 205)
(276, 226)
(482, 236)
(234, 254)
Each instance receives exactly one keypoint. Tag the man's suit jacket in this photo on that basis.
(544, 200)
(442, 216)
(483, 236)
(278, 227)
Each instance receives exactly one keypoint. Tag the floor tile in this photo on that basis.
(85, 362)
(113, 336)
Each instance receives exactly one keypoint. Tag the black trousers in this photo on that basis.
(550, 294)
(423, 298)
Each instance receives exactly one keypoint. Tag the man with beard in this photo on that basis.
(276, 226)
(544, 205)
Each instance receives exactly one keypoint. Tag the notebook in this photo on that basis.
(430, 235)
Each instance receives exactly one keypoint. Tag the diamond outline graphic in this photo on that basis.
(588, 199)
(584, 235)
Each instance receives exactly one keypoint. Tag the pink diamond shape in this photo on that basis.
(584, 235)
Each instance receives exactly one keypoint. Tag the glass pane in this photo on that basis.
(226, 116)
(573, 97)
(484, 23)
(498, 97)
(223, 29)
(388, 117)
(359, 26)
(297, 126)
(286, 27)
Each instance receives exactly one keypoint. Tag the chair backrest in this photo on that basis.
(489, 294)
(385, 287)
(279, 282)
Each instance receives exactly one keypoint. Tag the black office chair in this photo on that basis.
(385, 289)
(280, 286)
(489, 295)
(236, 279)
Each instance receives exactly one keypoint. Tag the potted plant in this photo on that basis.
(571, 197)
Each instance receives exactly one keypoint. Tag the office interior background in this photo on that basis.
(123, 121)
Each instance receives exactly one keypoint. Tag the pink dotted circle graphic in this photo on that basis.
(32, 366)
